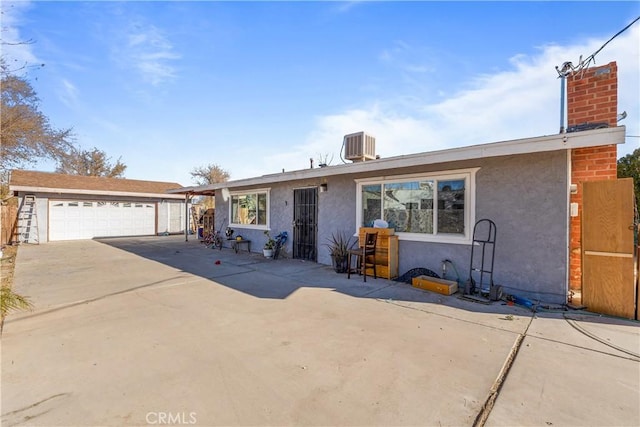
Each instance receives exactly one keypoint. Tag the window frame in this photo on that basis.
(469, 177)
(267, 192)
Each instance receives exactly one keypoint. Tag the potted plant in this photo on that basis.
(267, 250)
(339, 245)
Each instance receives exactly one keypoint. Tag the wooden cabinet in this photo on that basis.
(386, 251)
(208, 222)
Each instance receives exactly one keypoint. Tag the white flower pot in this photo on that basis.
(268, 253)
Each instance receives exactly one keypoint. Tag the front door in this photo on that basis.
(305, 224)
(608, 284)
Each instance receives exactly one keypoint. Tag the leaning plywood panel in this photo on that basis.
(608, 282)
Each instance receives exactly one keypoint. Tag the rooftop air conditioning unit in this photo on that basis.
(359, 147)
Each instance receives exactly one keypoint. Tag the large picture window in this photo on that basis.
(250, 208)
(434, 207)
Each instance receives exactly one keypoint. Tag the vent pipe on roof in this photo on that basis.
(563, 72)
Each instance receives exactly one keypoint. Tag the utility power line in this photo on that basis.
(568, 67)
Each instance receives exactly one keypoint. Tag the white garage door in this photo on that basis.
(77, 219)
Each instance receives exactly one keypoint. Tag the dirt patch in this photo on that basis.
(8, 265)
(9, 300)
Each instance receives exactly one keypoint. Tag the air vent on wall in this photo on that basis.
(359, 147)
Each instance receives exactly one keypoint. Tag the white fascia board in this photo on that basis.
(62, 191)
(564, 141)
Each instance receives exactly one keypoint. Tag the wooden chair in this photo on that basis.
(365, 257)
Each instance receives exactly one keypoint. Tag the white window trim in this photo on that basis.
(469, 175)
(267, 226)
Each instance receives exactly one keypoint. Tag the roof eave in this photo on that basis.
(194, 191)
(32, 189)
(564, 141)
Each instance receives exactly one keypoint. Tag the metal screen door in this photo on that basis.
(305, 226)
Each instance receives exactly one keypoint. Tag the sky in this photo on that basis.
(261, 87)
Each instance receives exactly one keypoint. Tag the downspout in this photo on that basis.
(563, 72)
(568, 291)
(563, 79)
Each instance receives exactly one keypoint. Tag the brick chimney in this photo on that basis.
(592, 97)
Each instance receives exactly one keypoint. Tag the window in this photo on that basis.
(250, 209)
(434, 207)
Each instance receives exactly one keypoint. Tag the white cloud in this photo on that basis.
(147, 50)
(404, 56)
(522, 101)
(346, 6)
(68, 93)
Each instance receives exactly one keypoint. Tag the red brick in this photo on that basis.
(605, 161)
(584, 174)
(580, 154)
(605, 103)
(583, 98)
(605, 173)
(581, 102)
(578, 108)
(577, 92)
(591, 98)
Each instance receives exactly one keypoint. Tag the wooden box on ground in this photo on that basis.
(441, 286)
(386, 251)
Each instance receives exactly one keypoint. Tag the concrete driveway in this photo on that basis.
(152, 331)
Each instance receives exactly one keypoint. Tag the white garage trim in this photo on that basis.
(32, 189)
(86, 219)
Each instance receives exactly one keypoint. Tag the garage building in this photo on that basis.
(71, 207)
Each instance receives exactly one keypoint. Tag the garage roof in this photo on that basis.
(23, 180)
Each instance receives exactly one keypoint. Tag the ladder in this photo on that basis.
(28, 221)
(194, 219)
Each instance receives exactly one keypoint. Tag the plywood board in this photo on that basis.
(608, 272)
(606, 289)
(608, 214)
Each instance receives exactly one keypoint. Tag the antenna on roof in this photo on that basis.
(568, 68)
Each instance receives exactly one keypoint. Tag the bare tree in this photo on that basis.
(91, 162)
(25, 131)
(15, 64)
(629, 167)
(209, 174)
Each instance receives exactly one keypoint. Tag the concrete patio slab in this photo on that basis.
(128, 331)
(560, 384)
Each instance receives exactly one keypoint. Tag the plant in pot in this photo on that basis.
(267, 250)
(339, 245)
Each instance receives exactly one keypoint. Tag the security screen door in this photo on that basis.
(305, 226)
